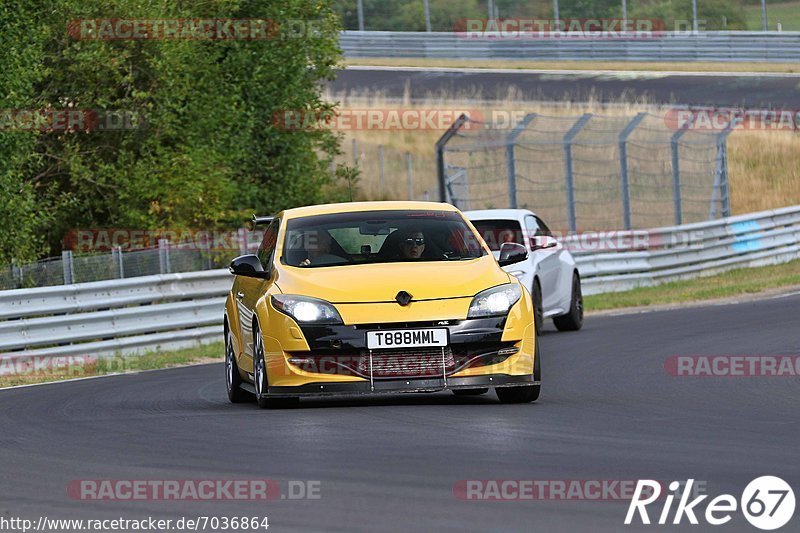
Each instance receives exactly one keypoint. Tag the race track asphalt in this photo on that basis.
(751, 91)
(608, 411)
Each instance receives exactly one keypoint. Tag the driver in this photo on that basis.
(411, 244)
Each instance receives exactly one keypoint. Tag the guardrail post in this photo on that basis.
(116, 257)
(570, 182)
(440, 145)
(67, 265)
(163, 256)
(410, 174)
(511, 140)
(625, 184)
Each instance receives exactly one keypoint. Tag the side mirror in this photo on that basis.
(511, 252)
(542, 242)
(249, 266)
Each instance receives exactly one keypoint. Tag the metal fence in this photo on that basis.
(587, 172)
(705, 46)
(119, 263)
(387, 173)
(169, 311)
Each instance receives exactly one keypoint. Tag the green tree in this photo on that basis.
(208, 152)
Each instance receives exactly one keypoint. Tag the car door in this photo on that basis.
(249, 290)
(547, 259)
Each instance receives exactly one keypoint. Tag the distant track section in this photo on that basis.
(752, 90)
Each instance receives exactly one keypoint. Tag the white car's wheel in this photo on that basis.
(573, 320)
(538, 309)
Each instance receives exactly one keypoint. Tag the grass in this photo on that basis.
(674, 66)
(732, 283)
(72, 368)
(787, 13)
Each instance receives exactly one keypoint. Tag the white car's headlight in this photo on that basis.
(306, 310)
(517, 273)
(495, 301)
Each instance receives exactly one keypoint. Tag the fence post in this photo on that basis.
(163, 256)
(440, 144)
(677, 189)
(625, 183)
(722, 147)
(410, 174)
(67, 265)
(116, 257)
(570, 182)
(511, 164)
(676, 175)
(243, 244)
(720, 187)
(16, 272)
(380, 169)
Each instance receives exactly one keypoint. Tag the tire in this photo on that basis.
(232, 378)
(573, 320)
(538, 310)
(524, 393)
(470, 392)
(260, 382)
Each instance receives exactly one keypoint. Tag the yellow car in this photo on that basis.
(376, 297)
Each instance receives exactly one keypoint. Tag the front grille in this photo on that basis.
(401, 362)
(419, 362)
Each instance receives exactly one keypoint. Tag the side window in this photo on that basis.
(532, 228)
(543, 229)
(266, 250)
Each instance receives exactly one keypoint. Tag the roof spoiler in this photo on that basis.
(261, 221)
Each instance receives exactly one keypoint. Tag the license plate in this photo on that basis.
(407, 338)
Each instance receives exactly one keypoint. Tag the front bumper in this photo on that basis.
(480, 354)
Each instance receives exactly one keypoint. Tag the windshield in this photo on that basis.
(378, 237)
(496, 232)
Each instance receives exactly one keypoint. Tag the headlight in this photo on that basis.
(495, 301)
(306, 310)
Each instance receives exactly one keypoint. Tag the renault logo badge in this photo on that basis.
(403, 298)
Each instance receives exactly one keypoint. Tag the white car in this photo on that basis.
(550, 272)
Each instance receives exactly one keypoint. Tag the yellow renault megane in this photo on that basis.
(376, 297)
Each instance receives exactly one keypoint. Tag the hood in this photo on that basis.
(381, 282)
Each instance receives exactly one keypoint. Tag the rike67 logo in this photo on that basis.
(767, 503)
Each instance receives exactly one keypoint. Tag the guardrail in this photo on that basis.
(127, 316)
(170, 311)
(734, 46)
(667, 254)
